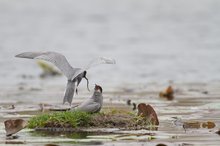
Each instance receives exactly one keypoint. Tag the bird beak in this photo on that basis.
(87, 83)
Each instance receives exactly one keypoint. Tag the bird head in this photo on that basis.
(84, 76)
(98, 88)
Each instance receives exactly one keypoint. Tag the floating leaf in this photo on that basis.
(195, 125)
(168, 93)
(161, 144)
(148, 112)
(218, 132)
(13, 126)
(208, 125)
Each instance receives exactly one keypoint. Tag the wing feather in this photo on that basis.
(93, 63)
(89, 107)
(55, 58)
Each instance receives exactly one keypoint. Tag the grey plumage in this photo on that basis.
(70, 88)
(74, 75)
(55, 58)
(94, 103)
(94, 62)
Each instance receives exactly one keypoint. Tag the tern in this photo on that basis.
(74, 75)
(93, 104)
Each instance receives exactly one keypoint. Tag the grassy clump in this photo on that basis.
(109, 119)
(112, 118)
(119, 119)
(60, 119)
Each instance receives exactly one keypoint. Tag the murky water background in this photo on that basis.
(153, 42)
(193, 102)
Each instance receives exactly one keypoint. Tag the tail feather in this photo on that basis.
(70, 92)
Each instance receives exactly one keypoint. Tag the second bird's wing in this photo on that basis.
(90, 107)
(95, 62)
(55, 58)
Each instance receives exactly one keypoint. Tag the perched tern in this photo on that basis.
(93, 104)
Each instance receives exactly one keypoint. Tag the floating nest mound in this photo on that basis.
(119, 119)
(79, 120)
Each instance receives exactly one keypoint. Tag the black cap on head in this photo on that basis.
(97, 87)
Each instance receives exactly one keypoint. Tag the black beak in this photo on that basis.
(87, 83)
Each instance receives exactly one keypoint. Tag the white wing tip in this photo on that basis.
(18, 55)
(24, 55)
(108, 60)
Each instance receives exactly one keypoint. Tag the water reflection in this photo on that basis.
(77, 135)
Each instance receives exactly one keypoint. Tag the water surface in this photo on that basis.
(152, 41)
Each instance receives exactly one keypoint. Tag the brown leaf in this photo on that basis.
(208, 125)
(13, 126)
(218, 132)
(168, 93)
(161, 144)
(148, 112)
(51, 145)
(192, 124)
(197, 125)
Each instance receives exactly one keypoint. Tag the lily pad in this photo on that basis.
(148, 113)
(168, 93)
(14, 126)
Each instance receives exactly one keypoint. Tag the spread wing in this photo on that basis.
(55, 58)
(95, 62)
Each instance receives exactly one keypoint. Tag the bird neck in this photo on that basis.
(97, 97)
(96, 93)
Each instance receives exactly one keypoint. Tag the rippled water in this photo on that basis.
(152, 41)
(192, 102)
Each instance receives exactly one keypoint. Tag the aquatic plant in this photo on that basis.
(60, 119)
(108, 119)
(13, 126)
(168, 93)
(48, 70)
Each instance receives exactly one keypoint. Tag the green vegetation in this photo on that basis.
(109, 119)
(48, 70)
(60, 119)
